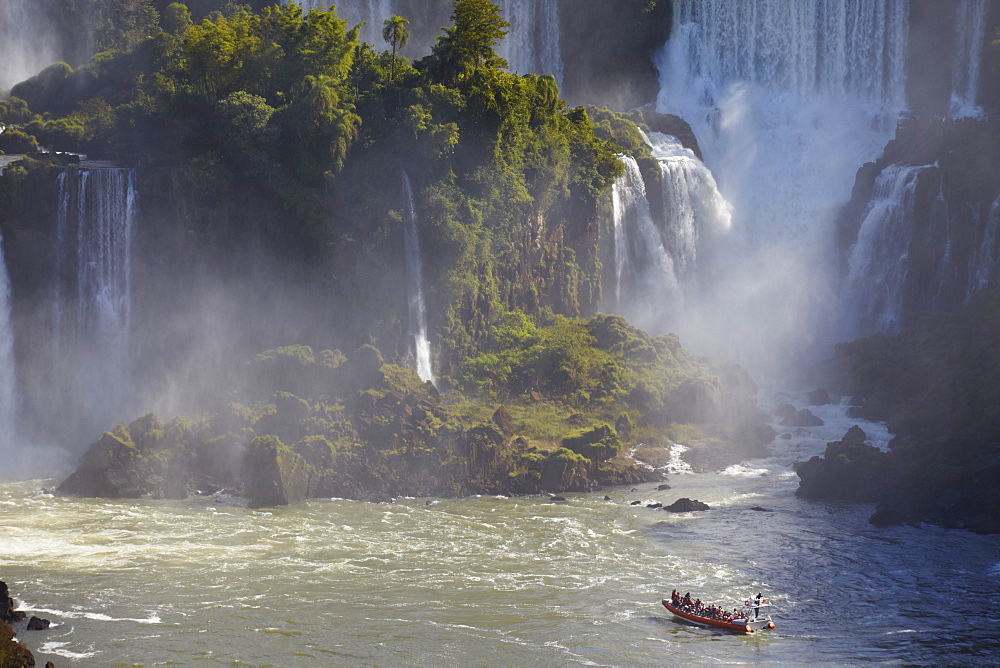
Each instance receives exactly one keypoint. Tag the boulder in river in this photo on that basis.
(685, 505)
(802, 418)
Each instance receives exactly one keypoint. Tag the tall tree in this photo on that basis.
(397, 35)
(469, 43)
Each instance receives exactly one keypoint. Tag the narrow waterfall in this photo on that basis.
(970, 34)
(532, 45)
(8, 372)
(984, 270)
(646, 284)
(374, 12)
(877, 264)
(96, 215)
(788, 99)
(415, 285)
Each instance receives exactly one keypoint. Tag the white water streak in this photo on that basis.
(970, 34)
(8, 371)
(984, 269)
(415, 285)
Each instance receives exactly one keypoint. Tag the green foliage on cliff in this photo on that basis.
(285, 110)
(309, 425)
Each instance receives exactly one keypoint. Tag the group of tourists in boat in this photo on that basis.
(710, 611)
(754, 615)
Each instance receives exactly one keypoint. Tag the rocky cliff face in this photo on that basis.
(943, 241)
(938, 386)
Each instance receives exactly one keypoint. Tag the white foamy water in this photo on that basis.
(787, 99)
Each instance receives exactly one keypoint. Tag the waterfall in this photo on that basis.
(984, 269)
(646, 284)
(970, 33)
(96, 215)
(415, 285)
(693, 208)
(787, 98)
(374, 12)
(877, 264)
(8, 375)
(27, 41)
(532, 44)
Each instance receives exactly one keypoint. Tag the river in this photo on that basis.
(494, 580)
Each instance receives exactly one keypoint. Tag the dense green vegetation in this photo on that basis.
(316, 128)
(553, 412)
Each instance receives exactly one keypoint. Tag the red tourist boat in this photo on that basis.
(755, 615)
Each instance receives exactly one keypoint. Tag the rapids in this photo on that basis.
(493, 580)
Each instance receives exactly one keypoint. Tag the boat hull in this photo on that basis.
(740, 627)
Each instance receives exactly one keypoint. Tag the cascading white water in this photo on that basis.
(983, 272)
(8, 372)
(646, 284)
(788, 98)
(970, 33)
(95, 219)
(877, 261)
(27, 41)
(532, 43)
(415, 285)
(694, 211)
(373, 12)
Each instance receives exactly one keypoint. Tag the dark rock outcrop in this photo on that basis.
(802, 418)
(12, 653)
(685, 505)
(856, 435)
(38, 624)
(818, 397)
(938, 387)
(848, 471)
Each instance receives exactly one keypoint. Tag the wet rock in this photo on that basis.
(784, 411)
(663, 487)
(847, 471)
(818, 397)
(760, 509)
(556, 497)
(607, 498)
(636, 503)
(686, 505)
(276, 476)
(12, 653)
(854, 413)
(504, 421)
(787, 436)
(7, 612)
(855, 435)
(802, 418)
(654, 505)
(37, 624)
